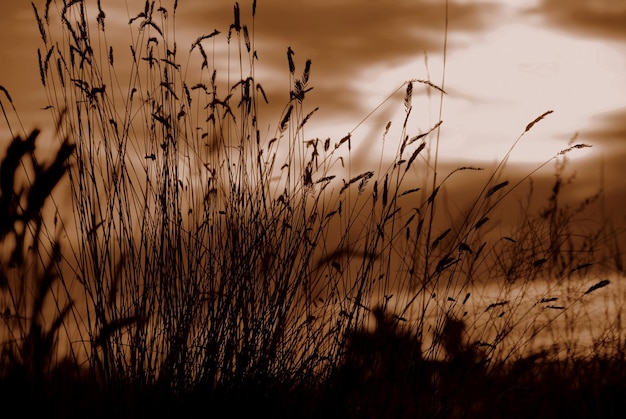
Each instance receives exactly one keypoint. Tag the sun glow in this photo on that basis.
(496, 86)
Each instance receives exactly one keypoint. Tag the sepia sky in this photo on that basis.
(507, 62)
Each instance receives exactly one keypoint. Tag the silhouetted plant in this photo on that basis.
(29, 269)
(219, 264)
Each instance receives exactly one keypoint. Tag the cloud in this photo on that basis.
(598, 18)
(608, 129)
(344, 38)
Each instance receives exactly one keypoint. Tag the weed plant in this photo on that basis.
(212, 264)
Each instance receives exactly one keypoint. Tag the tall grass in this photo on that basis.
(207, 258)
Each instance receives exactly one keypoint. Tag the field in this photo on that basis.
(172, 256)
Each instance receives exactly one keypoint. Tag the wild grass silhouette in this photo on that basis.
(212, 266)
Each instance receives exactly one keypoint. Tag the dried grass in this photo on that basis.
(212, 265)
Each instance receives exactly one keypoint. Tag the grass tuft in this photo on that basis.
(205, 263)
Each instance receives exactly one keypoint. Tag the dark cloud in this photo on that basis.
(599, 18)
(358, 29)
(350, 34)
(604, 170)
(343, 38)
(608, 129)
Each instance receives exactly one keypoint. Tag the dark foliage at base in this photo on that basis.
(382, 375)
